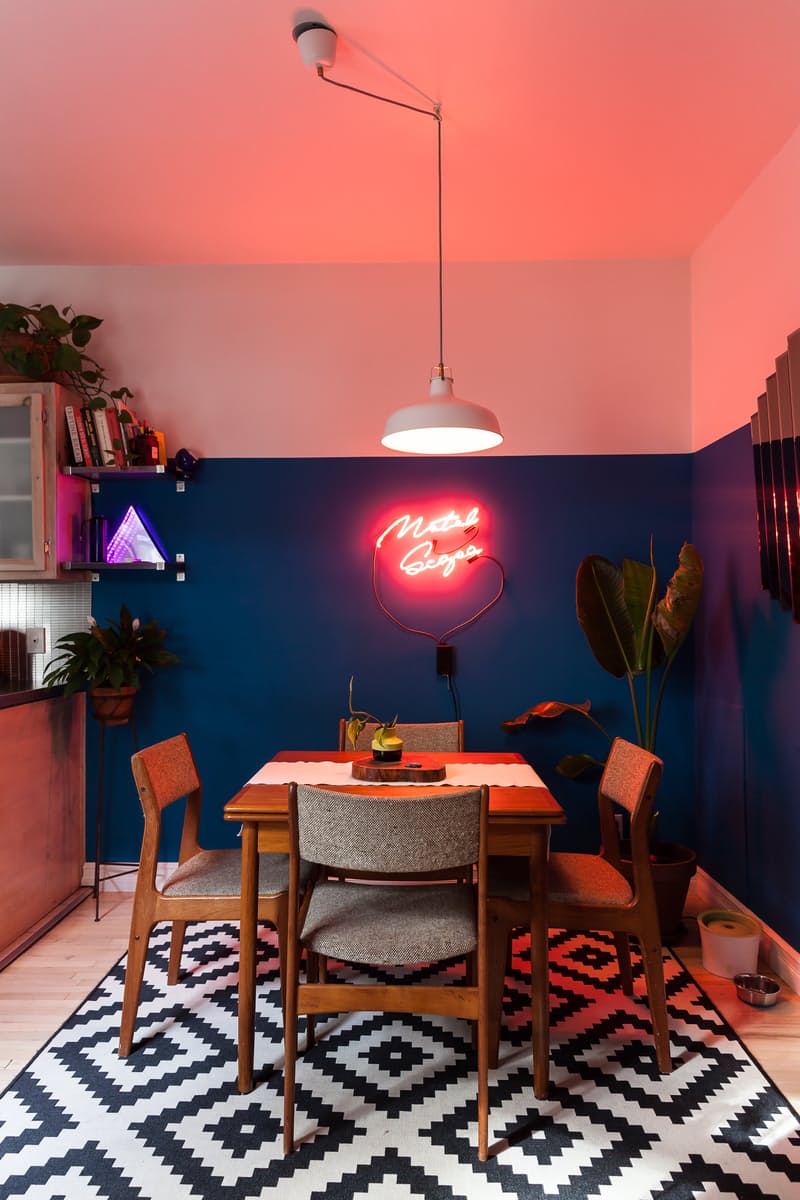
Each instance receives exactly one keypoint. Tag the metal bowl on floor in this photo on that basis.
(759, 990)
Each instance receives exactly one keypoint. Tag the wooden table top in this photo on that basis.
(261, 801)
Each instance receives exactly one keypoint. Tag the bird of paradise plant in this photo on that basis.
(632, 635)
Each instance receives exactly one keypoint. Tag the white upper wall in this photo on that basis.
(745, 298)
(284, 361)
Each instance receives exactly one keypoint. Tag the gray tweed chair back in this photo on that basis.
(631, 775)
(436, 736)
(352, 831)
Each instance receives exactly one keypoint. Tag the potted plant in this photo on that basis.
(109, 661)
(386, 745)
(39, 342)
(636, 637)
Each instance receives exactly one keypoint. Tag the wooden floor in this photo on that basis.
(41, 988)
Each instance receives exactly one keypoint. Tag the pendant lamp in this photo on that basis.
(443, 424)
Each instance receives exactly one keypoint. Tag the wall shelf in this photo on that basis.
(98, 475)
(178, 567)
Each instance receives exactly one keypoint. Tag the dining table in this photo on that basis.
(522, 812)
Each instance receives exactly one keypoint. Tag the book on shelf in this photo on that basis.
(129, 426)
(115, 433)
(82, 438)
(103, 437)
(91, 436)
(72, 436)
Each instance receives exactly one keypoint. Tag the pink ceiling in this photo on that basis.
(188, 131)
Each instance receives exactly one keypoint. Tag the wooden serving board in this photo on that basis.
(372, 771)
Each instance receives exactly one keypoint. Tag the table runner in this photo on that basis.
(339, 774)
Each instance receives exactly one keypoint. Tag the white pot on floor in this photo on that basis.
(729, 941)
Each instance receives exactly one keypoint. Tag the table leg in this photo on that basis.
(247, 954)
(99, 823)
(540, 998)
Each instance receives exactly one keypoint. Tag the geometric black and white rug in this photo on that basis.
(386, 1105)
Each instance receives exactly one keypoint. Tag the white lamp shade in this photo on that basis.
(445, 425)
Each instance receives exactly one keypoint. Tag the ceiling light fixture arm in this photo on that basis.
(427, 112)
(443, 424)
(436, 113)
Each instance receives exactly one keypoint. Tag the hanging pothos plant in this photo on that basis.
(39, 342)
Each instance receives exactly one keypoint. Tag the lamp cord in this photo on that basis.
(441, 288)
(436, 113)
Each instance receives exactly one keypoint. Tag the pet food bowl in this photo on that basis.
(759, 990)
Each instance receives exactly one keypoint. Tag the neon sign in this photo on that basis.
(424, 553)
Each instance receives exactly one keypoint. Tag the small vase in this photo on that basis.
(112, 706)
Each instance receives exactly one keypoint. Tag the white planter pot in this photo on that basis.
(729, 941)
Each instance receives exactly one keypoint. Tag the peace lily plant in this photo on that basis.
(110, 656)
(386, 745)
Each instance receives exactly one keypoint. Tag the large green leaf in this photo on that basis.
(52, 321)
(574, 765)
(604, 616)
(65, 357)
(547, 708)
(640, 584)
(674, 614)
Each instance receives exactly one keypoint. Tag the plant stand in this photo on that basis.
(103, 722)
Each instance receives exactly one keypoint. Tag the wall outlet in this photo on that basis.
(35, 640)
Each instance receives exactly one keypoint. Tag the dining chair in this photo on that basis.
(352, 921)
(588, 892)
(431, 737)
(207, 883)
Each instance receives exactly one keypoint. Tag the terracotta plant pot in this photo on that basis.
(112, 706)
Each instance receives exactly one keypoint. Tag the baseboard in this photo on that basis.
(779, 956)
(110, 881)
(42, 926)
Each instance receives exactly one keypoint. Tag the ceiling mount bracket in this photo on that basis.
(316, 42)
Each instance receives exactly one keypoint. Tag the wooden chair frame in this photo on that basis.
(165, 773)
(637, 918)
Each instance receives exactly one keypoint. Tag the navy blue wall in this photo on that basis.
(278, 612)
(748, 659)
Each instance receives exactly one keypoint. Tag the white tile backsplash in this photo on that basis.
(59, 608)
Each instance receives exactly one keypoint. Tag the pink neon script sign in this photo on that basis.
(424, 554)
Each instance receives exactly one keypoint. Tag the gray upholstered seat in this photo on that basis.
(391, 924)
(219, 873)
(577, 878)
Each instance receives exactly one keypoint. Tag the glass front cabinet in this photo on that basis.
(41, 511)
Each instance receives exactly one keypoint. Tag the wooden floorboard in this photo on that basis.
(41, 988)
